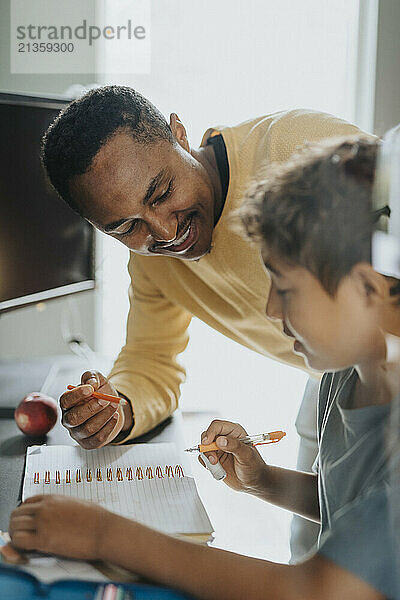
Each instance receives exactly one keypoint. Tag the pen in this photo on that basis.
(254, 440)
(114, 399)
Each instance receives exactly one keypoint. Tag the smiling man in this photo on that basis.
(114, 158)
(160, 202)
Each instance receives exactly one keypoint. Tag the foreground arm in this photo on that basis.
(206, 573)
(215, 574)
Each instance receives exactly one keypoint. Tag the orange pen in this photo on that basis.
(254, 440)
(114, 399)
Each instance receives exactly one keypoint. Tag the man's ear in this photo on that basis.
(179, 131)
(370, 284)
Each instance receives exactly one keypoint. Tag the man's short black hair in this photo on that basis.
(84, 126)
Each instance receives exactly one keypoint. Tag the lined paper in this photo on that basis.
(144, 482)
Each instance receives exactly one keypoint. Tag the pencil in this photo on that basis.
(114, 399)
(252, 440)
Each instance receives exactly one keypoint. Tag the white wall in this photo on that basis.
(225, 61)
(387, 80)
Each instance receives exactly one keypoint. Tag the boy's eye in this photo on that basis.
(164, 195)
(282, 292)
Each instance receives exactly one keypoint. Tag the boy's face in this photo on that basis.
(331, 332)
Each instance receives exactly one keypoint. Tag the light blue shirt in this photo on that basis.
(357, 491)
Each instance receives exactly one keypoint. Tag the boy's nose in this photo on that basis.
(274, 305)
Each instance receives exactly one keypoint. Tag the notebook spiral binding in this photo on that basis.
(116, 474)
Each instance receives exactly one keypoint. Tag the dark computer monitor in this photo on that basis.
(46, 250)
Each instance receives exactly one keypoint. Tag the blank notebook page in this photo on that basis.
(145, 482)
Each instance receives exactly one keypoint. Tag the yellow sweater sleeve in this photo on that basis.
(146, 370)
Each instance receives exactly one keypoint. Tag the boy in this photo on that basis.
(313, 220)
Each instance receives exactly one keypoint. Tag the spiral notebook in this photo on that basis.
(144, 482)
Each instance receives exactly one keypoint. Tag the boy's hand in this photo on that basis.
(93, 422)
(59, 525)
(245, 469)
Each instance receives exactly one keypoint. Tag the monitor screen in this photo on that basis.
(46, 250)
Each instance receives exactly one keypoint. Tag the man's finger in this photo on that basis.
(104, 436)
(77, 415)
(94, 378)
(79, 394)
(93, 425)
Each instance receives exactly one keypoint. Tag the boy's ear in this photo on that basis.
(179, 131)
(370, 284)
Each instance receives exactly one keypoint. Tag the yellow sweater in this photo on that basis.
(227, 289)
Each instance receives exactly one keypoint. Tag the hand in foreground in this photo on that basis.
(59, 525)
(93, 422)
(245, 469)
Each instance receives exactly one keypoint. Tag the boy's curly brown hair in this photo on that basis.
(315, 210)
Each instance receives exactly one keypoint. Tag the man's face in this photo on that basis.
(155, 198)
(331, 332)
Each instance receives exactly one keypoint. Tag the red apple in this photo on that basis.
(36, 414)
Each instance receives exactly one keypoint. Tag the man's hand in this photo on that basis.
(59, 525)
(245, 469)
(93, 422)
